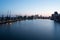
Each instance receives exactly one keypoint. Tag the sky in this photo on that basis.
(29, 7)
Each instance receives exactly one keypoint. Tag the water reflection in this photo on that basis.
(57, 30)
(31, 29)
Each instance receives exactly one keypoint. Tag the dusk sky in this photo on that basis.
(29, 7)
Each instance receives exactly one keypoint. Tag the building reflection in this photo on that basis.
(56, 30)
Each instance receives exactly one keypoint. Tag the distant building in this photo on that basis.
(36, 16)
(55, 16)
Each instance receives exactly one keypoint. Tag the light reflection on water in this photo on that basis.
(31, 29)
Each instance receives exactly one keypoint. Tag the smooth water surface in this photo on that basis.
(43, 29)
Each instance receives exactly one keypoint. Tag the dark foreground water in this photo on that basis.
(40, 29)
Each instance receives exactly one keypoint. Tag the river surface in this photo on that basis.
(39, 29)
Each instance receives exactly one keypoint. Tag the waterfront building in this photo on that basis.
(55, 16)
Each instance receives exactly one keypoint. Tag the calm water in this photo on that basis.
(43, 29)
